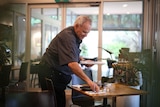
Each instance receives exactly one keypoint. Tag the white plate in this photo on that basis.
(92, 93)
(77, 86)
(92, 62)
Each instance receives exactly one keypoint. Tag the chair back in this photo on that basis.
(78, 81)
(77, 97)
(4, 75)
(23, 72)
(43, 72)
(51, 89)
(34, 69)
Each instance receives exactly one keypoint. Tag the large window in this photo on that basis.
(121, 28)
(45, 24)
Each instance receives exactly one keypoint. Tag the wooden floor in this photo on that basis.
(12, 89)
(21, 87)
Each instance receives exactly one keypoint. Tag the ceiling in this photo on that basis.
(131, 7)
(112, 8)
(123, 7)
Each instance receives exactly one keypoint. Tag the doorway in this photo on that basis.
(46, 20)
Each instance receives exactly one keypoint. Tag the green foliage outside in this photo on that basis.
(115, 47)
(84, 50)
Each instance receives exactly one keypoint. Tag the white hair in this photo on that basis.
(82, 19)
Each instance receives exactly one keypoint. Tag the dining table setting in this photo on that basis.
(108, 91)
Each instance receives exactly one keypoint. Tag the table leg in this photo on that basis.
(105, 103)
(113, 101)
(12, 76)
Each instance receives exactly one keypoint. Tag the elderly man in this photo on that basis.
(61, 58)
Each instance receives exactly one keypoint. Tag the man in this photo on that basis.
(61, 58)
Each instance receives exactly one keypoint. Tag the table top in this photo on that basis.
(29, 99)
(92, 62)
(15, 68)
(114, 90)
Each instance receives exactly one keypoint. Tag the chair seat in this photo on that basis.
(79, 98)
(20, 85)
(83, 101)
(34, 68)
(82, 98)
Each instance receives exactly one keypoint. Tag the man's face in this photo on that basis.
(83, 30)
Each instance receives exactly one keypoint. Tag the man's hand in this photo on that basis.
(79, 72)
(94, 86)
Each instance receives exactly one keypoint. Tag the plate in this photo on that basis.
(92, 62)
(77, 86)
(86, 88)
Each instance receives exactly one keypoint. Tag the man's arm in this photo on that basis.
(76, 69)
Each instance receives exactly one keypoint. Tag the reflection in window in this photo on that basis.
(35, 39)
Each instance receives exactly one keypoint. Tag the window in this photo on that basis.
(121, 28)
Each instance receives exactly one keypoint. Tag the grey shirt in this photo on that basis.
(63, 49)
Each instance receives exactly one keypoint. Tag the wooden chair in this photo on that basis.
(20, 85)
(34, 69)
(23, 72)
(4, 78)
(51, 89)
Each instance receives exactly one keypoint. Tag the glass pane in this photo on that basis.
(51, 25)
(13, 31)
(21, 37)
(115, 40)
(121, 29)
(35, 38)
(72, 13)
(6, 36)
(89, 46)
(50, 33)
(45, 24)
(130, 21)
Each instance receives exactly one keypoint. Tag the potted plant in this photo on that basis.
(129, 71)
(130, 64)
(4, 54)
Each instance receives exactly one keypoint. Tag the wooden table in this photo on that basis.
(29, 99)
(115, 90)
